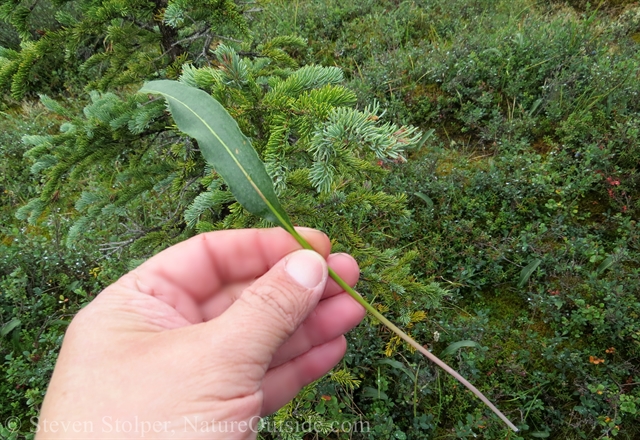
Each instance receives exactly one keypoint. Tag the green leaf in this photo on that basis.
(9, 326)
(452, 348)
(525, 274)
(398, 366)
(425, 198)
(224, 147)
(540, 434)
(606, 264)
(425, 137)
(374, 393)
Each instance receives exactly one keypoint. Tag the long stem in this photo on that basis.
(391, 326)
(433, 358)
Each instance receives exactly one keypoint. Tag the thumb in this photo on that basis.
(270, 310)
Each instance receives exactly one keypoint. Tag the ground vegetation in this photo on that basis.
(479, 158)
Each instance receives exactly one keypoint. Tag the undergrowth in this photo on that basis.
(511, 230)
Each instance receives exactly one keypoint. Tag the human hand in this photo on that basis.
(224, 327)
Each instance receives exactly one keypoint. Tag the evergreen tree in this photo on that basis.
(132, 184)
(326, 157)
(121, 162)
(109, 43)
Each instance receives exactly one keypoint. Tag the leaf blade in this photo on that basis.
(526, 273)
(224, 146)
(9, 327)
(425, 198)
(452, 348)
(398, 366)
(606, 264)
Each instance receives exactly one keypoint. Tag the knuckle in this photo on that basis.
(281, 303)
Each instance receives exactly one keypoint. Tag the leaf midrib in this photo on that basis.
(266, 201)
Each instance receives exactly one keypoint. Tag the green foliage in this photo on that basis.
(349, 129)
(109, 43)
(531, 154)
(584, 5)
(42, 284)
(533, 160)
(117, 125)
(224, 147)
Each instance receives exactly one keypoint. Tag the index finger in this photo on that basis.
(200, 266)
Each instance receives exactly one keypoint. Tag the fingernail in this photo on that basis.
(339, 256)
(306, 268)
(303, 230)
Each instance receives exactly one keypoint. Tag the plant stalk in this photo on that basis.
(391, 326)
